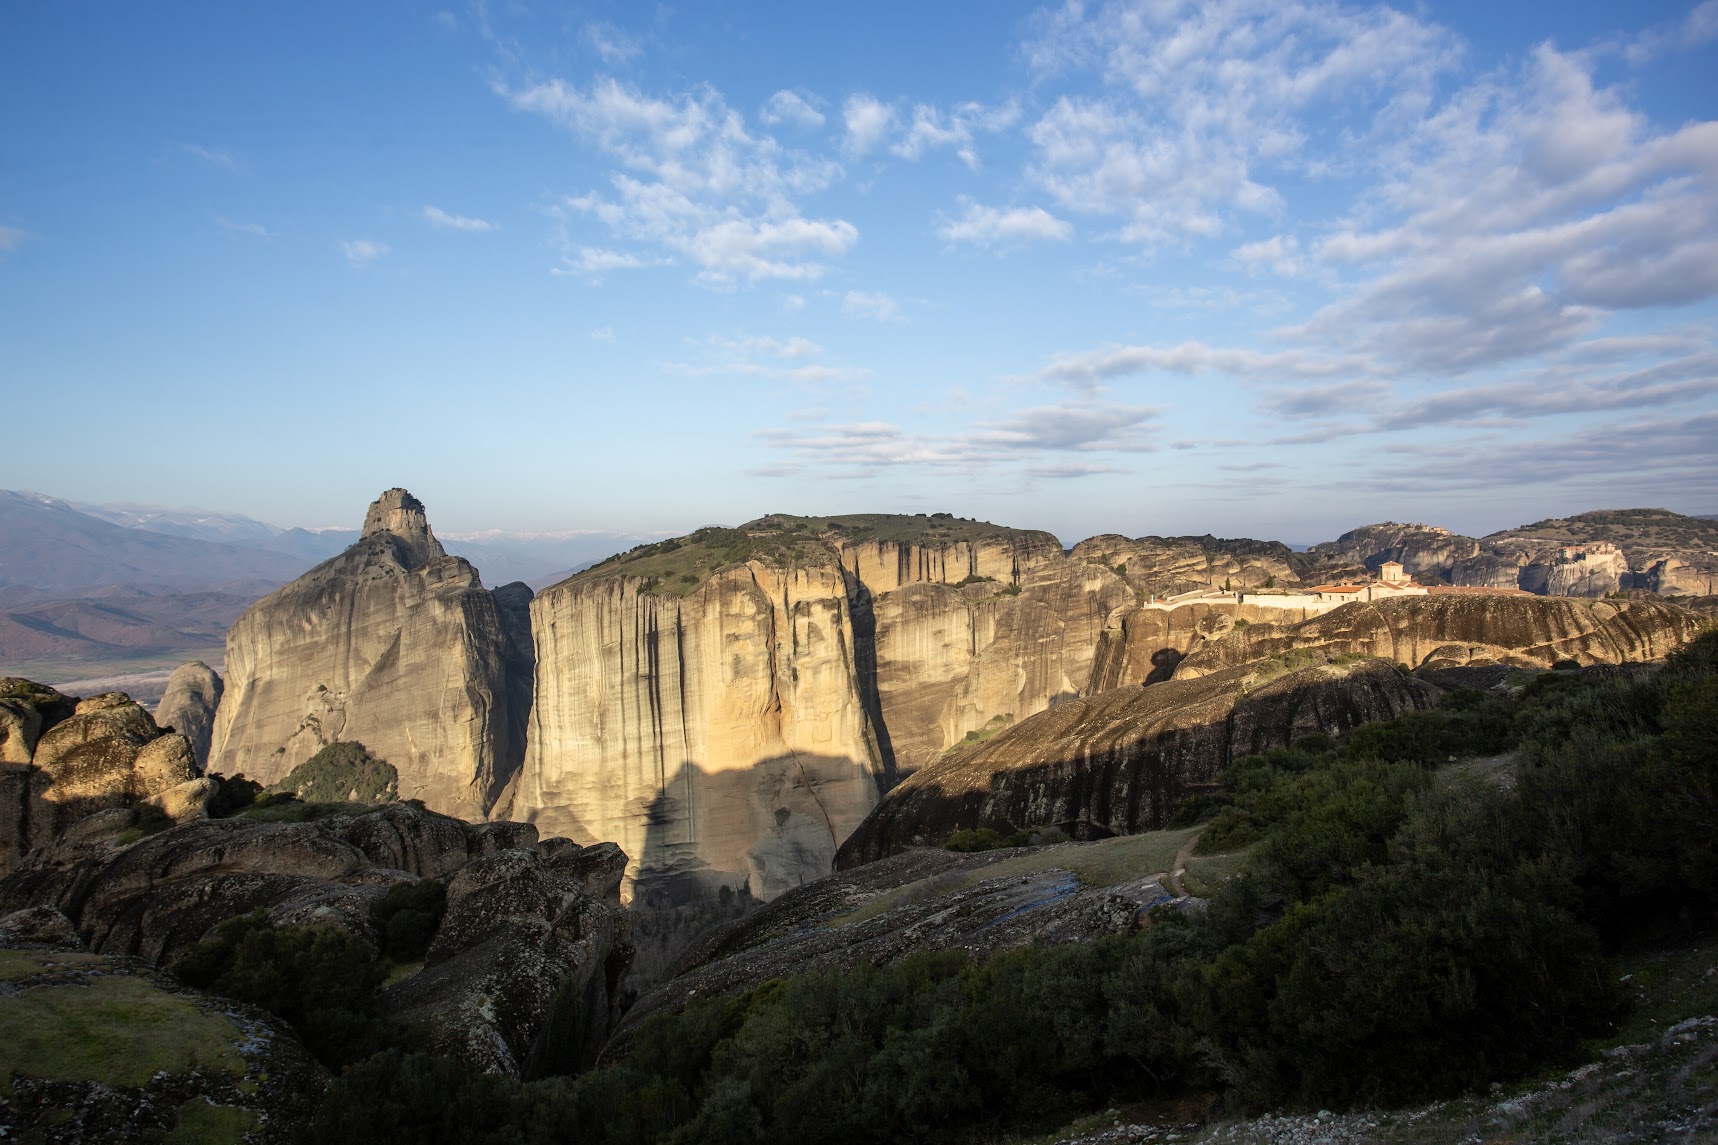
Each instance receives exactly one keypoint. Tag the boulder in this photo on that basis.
(522, 974)
(189, 704)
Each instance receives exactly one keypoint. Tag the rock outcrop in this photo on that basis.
(1166, 566)
(720, 737)
(392, 643)
(533, 933)
(188, 705)
(98, 754)
(1121, 761)
(525, 946)
(1450, 631)
(729, 704)
(1590, 555)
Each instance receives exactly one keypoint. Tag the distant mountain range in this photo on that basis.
(102, 582)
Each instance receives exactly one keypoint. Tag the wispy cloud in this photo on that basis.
(437, 217)
(792, 108)
(594, 262)
(1204, 104)
(868, 121)
(256, 229)
(696, 182)
(765, 356)
(871, 304)
(1025, 439)
(362, 252)
(987, 226)
(1090, 368)
(611, 44)
(213, 156)
(11, 238)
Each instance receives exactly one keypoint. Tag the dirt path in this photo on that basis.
(1179, 866)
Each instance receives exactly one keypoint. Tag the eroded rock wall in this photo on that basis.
(393, 644)
(721, 737)
(1121, 761)
(1449, 631)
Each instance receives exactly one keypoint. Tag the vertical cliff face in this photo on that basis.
(960, 661)
(720, 737)
(394, 644)
(189, 704)
(883, 565)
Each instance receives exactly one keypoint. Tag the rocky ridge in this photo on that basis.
(392, 643)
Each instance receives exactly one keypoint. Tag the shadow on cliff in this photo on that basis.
(720, 843)
(1135, 767)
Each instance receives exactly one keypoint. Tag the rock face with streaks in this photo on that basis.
(729, 705)
(1452, 631)
(188, 705)
(392, 643)
(720, 737)
(1166, 566)
(1121, 761)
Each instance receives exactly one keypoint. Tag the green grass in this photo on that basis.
(17, 965)
(203, 1123)
(115, 1030)
(1205, 873)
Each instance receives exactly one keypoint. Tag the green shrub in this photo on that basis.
(975, 839)
(321, 979)
(343, 772)
(407, 918)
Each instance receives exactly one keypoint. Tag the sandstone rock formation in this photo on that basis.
(519, 929)
(85, 756)
(1121, 761)
(1591, 555)
(1166, 566)
(188, 705)
(392, 643)
(1449, 631)
(528, 927)
(729, 704)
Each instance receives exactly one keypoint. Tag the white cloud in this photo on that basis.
(435, 216)
(877, 305)
(11, 238)
(1088, 369)
(213, 156)
(256, 229)
(362, 252)
(1516, 218)
(602, 334)
(933, 128)
(1279, 254)
(1202, 102)
(868, 121)
(1699, 27)
(613, 45)
(596, 261)
(987, 225)
(792, 108)
(764, 356)
(701, 185)
(1018, 439)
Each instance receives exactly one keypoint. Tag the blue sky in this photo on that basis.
(1264, 268)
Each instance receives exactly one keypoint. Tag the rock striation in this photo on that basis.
(392, 643)
(729, 705)
(1453, 631)
(188, 705)
(1167, 566)
(1120, 762)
